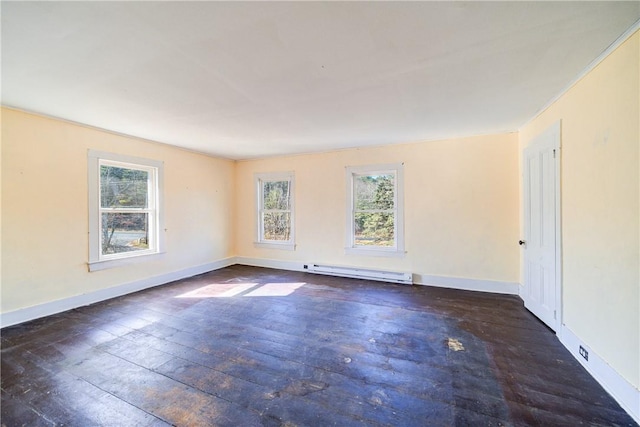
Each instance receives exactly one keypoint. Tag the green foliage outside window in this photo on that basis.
(276, 216)
(374, 216)
(122, 188)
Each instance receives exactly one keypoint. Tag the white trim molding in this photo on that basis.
(466, 284)
(547, 141)
(260, 180)
(593, 64)
(627, 395)
(154, 209)
(58, 306)
(461, 283)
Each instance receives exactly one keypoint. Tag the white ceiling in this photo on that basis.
(251, 79)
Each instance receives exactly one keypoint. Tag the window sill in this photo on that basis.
(389, 253)
(274, 245)
(118, 262)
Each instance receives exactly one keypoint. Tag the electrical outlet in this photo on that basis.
(584, 353)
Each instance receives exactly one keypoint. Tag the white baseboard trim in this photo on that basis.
(53, 307)
(270, 263)
(511, 288)
(622, 391)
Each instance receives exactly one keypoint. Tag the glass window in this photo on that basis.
(124, 208)
(275, 210)
(375, 214)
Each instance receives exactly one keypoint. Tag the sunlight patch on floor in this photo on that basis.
(226, 290)
(275, 290)
(218, 290)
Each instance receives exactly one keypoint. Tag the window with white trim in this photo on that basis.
(275, 213)
(375, 216)
(124, 209)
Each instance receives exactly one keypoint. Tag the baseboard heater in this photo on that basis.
(361, 273)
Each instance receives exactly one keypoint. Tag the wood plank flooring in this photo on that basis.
(246, 346)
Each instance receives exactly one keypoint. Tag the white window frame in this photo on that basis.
(155, 169)
(397, 169)
(260, 179)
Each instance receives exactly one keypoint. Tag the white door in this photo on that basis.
(541, 245)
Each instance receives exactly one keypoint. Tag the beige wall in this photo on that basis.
(461, 207)
(0, 209)
(45, 210)
(600, 206)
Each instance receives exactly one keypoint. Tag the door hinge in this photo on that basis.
(554, 153)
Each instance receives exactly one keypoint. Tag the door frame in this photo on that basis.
(554, 132)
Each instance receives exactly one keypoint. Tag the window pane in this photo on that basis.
(374, 191)
(276, 226)
(121, 187)
(275, 195)
(124, 232)
(374, 229)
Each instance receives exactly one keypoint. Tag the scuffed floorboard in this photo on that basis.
(247, 346)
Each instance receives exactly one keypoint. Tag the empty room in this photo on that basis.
(320, 213)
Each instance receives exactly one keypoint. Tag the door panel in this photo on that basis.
(541, 294)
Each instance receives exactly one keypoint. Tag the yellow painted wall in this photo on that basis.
(600, 182)
(461, 207)
(45, 209)
(0, 207)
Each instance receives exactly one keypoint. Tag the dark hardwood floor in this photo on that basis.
(247, 346)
